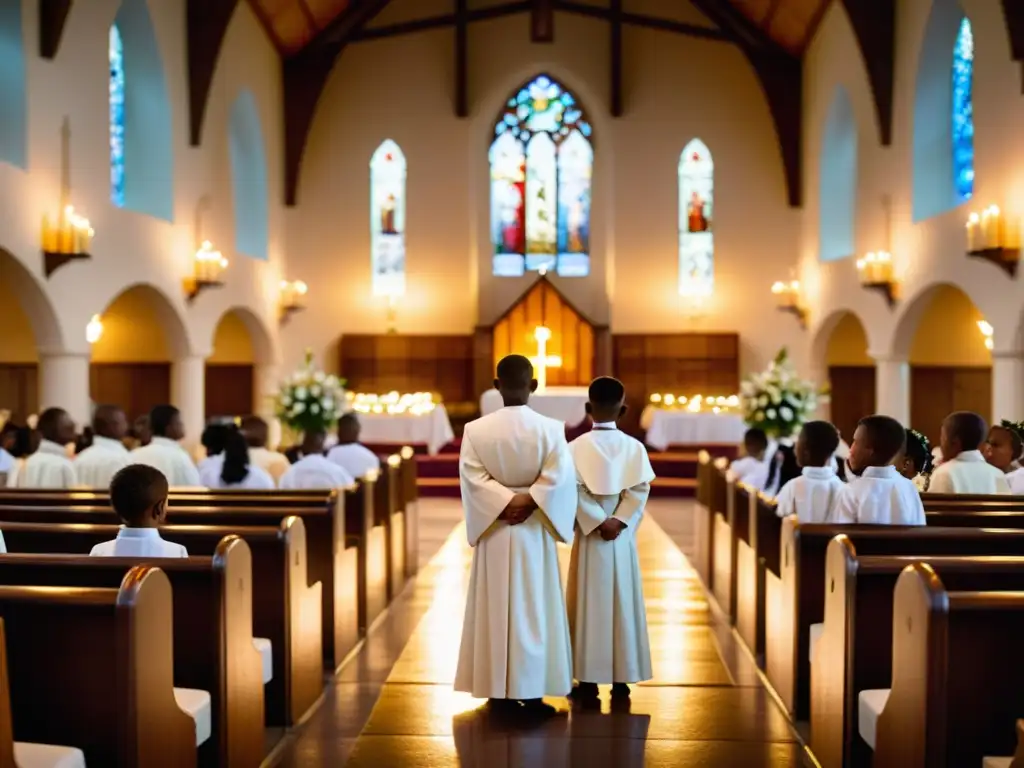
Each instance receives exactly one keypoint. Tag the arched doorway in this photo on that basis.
(240, 344)
(131, 361)
(851, 373)
(950, 365)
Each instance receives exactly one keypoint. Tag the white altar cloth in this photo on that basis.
(432, 429)
(666, 428)
(566, 404)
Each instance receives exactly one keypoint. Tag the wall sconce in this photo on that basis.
(788, 300)
(208, 267)
(876, 274)
(986, 331)
(293, 298)
(64, 239)
(94, 329)
(988, 239)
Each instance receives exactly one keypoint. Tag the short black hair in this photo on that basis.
(135, 490)
(49, 421)
(160, 419)
(515, 372)
(755, 437)
(606, 392)
(967, 427)
(821, 439)
(349, 420)
(919, 451)
(8, 427)
(886, 436)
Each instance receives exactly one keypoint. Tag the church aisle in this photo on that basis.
(697, 711)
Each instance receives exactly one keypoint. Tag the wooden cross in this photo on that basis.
(543, 360)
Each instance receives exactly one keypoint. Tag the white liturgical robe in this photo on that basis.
(171, 459)
(48, 467)
(315, 471)
(276, 464)
(968, 473)
(256, 479)
(515, 637)
(880, 496)
(354, 458)
(96, 466)
(138, 542)
(607, 618)
(811, 497)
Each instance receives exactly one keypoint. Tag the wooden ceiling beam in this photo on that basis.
(769, 17)
(436, 22)
(206, 23)
(874, 25)
(268, 25)
(542, 21)
(1013, 11)
(615, 58)
(337, 34)
(461, 59)
(815, 22)
(642, 20)
(53, 15)
(307, 14)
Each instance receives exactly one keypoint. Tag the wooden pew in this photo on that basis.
(332, 555)
(370, 539)
(958, 676)
(213, 644)
(757, 556)
(389, 511)
(938, 502)
(284, 609)
(93, 668)
(855, 649)
(410, 502)
(796, 600)
(714, 504)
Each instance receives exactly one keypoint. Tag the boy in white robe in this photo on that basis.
(963, 468)
(812, 496)
(753, 468)
(349, 453)
(164, 451)
(879, 494)
(607, 618)
(519, 499)
(313, 470)
(138, 494)
(96, 466)
(49, 466)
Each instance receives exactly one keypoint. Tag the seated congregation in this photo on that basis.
(879, 587)
(217, 596)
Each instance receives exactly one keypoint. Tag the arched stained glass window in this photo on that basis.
(696, 214)
(116, 57)
(541, 169)
(963, 111)
(387, 219)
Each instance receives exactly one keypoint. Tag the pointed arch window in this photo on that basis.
(696, 216)
(541, 170)
(963, 111)
(116, 98)
(387, 219)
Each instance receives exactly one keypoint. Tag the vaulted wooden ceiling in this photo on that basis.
(294, 24)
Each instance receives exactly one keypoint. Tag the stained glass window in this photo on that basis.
(541, 168)
(963, 111)
(116, 57)
(387, 219)
(696, 217)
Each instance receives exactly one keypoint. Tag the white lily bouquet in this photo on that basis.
(778, 400)
(311, 400)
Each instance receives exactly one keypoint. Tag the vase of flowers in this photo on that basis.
(777, 400)
(310, 400)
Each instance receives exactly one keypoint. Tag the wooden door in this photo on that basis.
(853, 396)
(937, 391)
(135, 387)
(229, 390)
(19, 390)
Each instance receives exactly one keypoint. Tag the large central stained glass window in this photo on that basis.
(541, 168)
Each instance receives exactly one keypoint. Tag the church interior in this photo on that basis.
(754, 214)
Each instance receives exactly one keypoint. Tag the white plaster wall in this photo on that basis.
(131, 248)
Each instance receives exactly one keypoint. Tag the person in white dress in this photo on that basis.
(232, 467)
(138, 494)
(963, 468)
(313, 470)
(49, 466)
(878, 494)
(349, 454)
(165, 452)
(812, 495)
(1003, 449)
(519, 498)
(257, 434)
(96, 466)
(916, 461)
(607, 617)
(8, 435)
(753, 468)
(214, 436)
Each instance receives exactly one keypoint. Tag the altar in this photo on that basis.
(567, 404)
(666, 428)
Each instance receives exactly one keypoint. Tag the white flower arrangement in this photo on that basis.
(310, 399)
(778, 400)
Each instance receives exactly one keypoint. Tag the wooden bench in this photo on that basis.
(284, 608)
(711, 503)
(410, 497)
(796, 600)
(854, 652)
(958, 676)
(389, 511)
(93, 668)
(333, 554)
(214, 649)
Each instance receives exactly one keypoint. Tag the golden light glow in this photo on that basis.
(985, 232)
(412, 404)
(694, 403)
(293, 294)
(394, 460)
(542, 360)
(69, 233)
(875, 268)
(788, 293)
(209, 263)
(986, 331)
(94, 329)
(407, 452)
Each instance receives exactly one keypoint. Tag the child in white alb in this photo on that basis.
(963, 468)
(138, 494)
(812, 495)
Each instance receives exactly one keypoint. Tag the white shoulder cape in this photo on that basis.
(608, 462)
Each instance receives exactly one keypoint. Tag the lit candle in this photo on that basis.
(995, 227)
(972, 232)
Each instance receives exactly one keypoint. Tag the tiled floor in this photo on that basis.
(393, 704)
